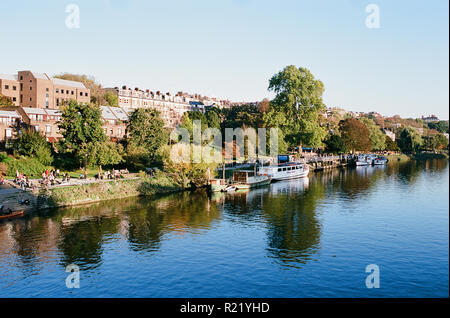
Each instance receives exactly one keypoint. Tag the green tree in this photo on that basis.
(31, 143)
(81, 127)
(334, 144)
(146, 135)
(299, 97)
(377, 137)
(105, 153)
(390, 144)
(355, 135)
(440, 142)
(111, 99)
(409, 140)
(6, 101)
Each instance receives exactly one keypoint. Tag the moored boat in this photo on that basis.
(363, 160)
(380, 161)
(217, 185)
(286, 171)
(247, 179)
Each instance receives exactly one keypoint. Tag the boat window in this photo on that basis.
(284, 169)
(279, 169)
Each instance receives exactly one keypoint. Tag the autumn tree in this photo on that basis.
(376, 136)
(355, 135)
(6, 101)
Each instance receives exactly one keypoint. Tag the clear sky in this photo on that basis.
(230, 48)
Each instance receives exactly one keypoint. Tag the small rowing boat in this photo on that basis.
(11, 215)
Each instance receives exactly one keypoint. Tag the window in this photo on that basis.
(57, 102)
(86, 94)
(21, 86)
(112, 131)
(14, 88)
(46, 89)
(14, 99)
(31, 99)
(67, 91)
(6, 86)
(81, 93)
(21, 77)
(71, 92)
(31, 88)
(36, 128)
(8, 133)
(57, 90)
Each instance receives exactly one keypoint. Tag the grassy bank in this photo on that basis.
(398, 157)
(110, 190)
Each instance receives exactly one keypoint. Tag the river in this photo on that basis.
(310, 237)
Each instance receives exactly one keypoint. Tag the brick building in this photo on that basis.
(38, 90)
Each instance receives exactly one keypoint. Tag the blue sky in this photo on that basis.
(230, 48)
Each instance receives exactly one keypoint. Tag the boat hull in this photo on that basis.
(12, 215)
(244, 186)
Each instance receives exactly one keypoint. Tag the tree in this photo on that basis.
(6, 101)
(111, 99)
(376, 136)
(440, 142)
(264, 105)
(81, 127)
(441, 126)
(334, 144)
(390, 144)
(147, 135)
(105, 153)
(355, 135)
(409, 140)
(299, 96)
(34, 144)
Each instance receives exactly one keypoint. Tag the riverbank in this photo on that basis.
(72, 195)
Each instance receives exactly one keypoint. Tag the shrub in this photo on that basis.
(28, 166)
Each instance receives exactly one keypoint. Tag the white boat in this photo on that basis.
(363, 160)
(380, 161)
(247, 179)
(286, 171)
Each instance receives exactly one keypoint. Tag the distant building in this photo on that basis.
(430, 119)
(389, 133)
(38, 90)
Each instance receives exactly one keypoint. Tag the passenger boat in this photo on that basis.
(11, 215)
(286, 171)
(380, 160)
(247, 179)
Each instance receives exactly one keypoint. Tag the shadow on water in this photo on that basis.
(287, 210)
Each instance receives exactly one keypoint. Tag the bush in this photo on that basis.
(28, 166)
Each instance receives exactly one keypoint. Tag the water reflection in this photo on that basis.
(287, 210)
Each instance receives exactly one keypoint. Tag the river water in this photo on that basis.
(309, 237)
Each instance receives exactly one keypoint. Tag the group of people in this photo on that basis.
(50, 177)
(111, 175)
(23, 181)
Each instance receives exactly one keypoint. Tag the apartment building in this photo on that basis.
(9, 119)
(171, 107)
(44, 120)
(38, 90)
(9, 86)
(114, 122)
